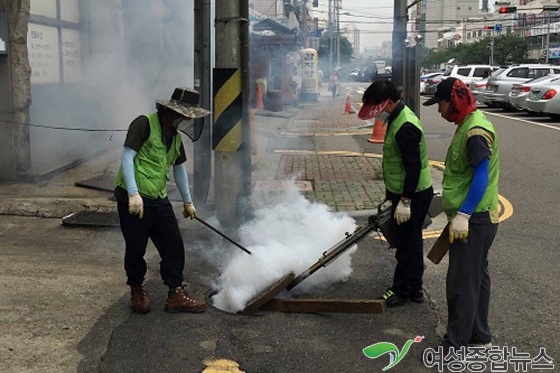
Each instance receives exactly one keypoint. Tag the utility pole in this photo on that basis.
(202, 147)
(231, 135)
(304, 4)
(399, 35)
(338, 33)
(330, 36)
(547, 38)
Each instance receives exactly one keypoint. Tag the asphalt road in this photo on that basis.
(53, 279)
(525, 303)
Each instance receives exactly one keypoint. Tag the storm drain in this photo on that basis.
(92, 219)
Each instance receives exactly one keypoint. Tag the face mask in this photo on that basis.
(382, 117)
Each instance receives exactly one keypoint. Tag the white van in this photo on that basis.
(468, 73)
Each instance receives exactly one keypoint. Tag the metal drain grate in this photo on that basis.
(92, 219)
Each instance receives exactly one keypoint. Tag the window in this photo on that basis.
(556, 71)
(464, 71)
(519, 73)
(481, 72)
(54, 42)
(537, 73)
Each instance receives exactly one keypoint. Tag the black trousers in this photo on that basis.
(410, 246)
(160, 225)
(468, 285)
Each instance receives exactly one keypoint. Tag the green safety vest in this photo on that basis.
(152, 163)
(458, 174)
(393, 168)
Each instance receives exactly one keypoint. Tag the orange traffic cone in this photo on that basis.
(259, 99)
(378, 134)
(348, 109)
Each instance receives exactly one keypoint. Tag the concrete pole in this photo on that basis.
(20, 90)
(399, 35)
(338, 33)
(330, 36)
(547, 38)
(202, 83)
(232, 181)
(304, 5)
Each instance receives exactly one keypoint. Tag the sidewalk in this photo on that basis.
(324, 150)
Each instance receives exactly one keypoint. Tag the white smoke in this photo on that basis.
(288, 236)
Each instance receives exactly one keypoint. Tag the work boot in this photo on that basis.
(139, 299)
(178, 300)
(417, 296)
(392, 300)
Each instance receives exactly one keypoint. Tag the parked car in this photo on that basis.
(498, 87)
(353, 75)
(545, 99)
(432, 83)
(520, 91)
(424, 78)
(478, 88)
(367, 74)
(468, 73)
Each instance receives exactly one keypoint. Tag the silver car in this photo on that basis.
(498, 87)
(478, 89)
(545, 99)
(520, 91)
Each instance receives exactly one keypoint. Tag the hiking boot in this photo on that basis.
(178, 300)
(139, 300)
(392, 300)
(417, 296)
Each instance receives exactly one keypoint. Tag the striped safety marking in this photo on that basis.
(228, 110)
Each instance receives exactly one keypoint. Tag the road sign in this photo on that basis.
(499, 27)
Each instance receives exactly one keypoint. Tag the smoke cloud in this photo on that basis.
(288, 234)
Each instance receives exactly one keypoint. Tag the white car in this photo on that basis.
(424, 78)
(519, 92)
(468, 73)
(545, 99)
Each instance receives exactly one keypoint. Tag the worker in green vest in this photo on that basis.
(470, 200)
(153, 145)
(408, 184)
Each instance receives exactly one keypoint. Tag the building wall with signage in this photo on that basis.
(94, 66)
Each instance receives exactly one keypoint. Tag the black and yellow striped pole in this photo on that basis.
(231, 131)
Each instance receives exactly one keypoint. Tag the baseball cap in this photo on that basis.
(443, 91)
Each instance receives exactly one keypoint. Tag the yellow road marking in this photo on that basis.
(221, 365)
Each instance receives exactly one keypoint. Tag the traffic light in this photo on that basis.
(508, 9)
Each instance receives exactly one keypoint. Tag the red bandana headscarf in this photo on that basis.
(462, 103)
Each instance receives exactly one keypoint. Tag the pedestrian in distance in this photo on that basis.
(408, 184)
(153, 144)
(334, 82)
(470, 200)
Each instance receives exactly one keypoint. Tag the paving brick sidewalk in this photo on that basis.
(343, 178)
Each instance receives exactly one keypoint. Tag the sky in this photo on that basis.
(374, 18)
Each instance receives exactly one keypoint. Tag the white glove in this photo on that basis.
(189, 211)
(135, 205)
(402, 212)
(459, 227)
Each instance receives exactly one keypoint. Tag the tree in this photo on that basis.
(507, 49)
(346, 49)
